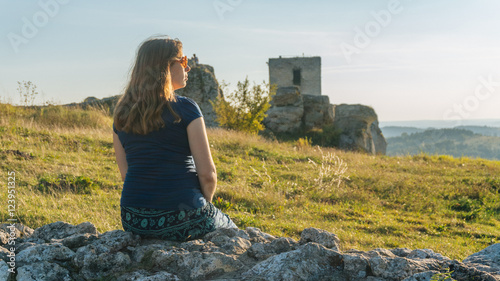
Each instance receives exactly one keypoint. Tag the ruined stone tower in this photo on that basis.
(302, 72)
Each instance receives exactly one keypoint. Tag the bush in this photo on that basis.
(244, 109)
(327, 136)
(64, 182)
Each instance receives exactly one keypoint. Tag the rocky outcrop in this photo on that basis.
(292, 112)
(202, 87)
(317, 111)
(286, 111)
(61, 251)
(360, 130)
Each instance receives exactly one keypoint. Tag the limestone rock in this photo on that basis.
(320, 236)
(59, 230)
(203, 246)
(466, 272)
(202, 87)
(4, 237)
(45, 252)
(311, 261)
(426, 254)
(66, 252)
(287, 96)
(24, 245)
(141, 252)
(425, 276)
(286, 112)
(78, 240)
(195, 265)
(143, 275)
(16, 230)
(262, 251)
(4, 251)
(292, 112)
(360, 131)
(318, 111)
(487, 259)
(256, 235)
(4, 273)
(284, 119)
(230, 240)
(94, 266)
(397, 267)
(401, 252)
(103, 257)
(356, 266)
(43, 270)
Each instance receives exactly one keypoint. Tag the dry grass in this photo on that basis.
(450, 205)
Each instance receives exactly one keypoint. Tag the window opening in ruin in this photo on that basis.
(296, 77)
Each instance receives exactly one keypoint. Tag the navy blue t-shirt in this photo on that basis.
(161, 171)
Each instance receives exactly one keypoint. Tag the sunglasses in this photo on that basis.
(183, 61)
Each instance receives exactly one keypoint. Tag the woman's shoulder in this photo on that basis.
(185, 100)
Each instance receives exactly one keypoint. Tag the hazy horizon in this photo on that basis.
(408, 60)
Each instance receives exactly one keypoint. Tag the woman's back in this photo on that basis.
(161, 172)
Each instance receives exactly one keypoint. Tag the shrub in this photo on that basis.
(244, 109)
(64, 182)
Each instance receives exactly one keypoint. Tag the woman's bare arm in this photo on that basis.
(121, 159)
(200, 149)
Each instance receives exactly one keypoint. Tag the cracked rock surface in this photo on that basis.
(61, 251)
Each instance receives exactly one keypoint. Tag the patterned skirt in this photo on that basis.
(181, 225)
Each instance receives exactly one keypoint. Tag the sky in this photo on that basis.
(409, 60)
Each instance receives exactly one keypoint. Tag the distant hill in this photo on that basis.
(455, 142)
(441, 124)
(483, 130)
(396, 131)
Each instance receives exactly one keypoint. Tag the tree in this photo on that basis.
(244, 109)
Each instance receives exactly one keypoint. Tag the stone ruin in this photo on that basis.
(60, 251)
(291, 112)
(299, 106)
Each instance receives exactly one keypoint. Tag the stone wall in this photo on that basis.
(281, 73)
(62, 252)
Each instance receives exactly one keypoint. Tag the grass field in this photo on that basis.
(65, 170)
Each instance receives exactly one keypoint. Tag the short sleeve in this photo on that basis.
(190, 111)
(114, 129)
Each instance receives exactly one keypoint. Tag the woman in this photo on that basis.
(162, 150)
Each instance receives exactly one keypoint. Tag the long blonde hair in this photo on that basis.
(150, 88)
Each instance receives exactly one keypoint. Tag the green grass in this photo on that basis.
(66, 171)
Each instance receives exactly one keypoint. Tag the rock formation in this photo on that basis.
(359, 125)
(292, 112)
(61, 251)
(202, 87)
